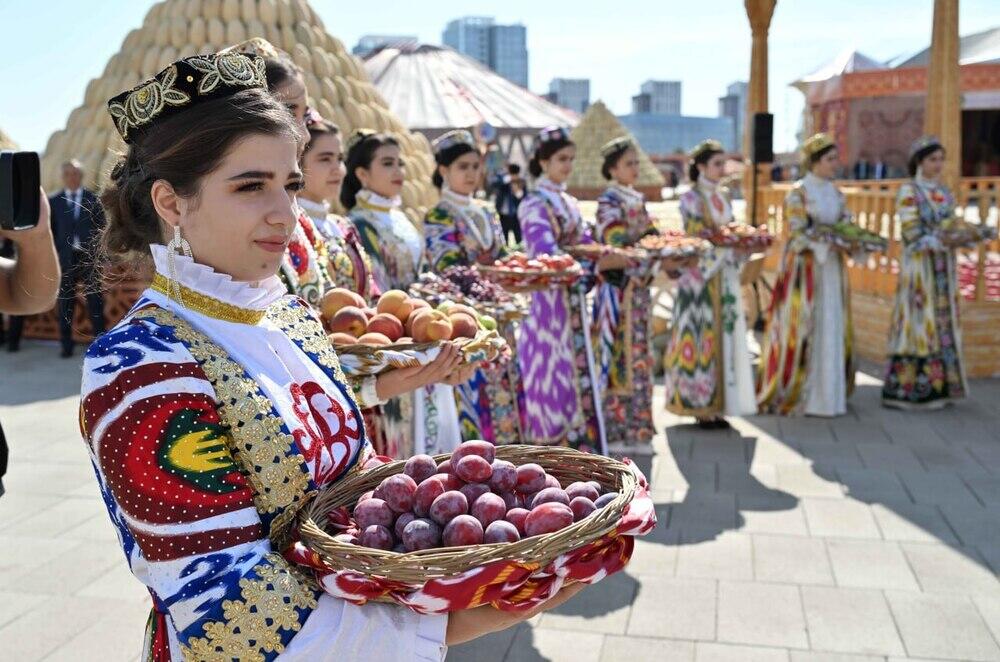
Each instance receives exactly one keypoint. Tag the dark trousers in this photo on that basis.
(511, 225)
(3, 458)
(12, 334)
(79, 271)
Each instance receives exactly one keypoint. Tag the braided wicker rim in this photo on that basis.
(566, 464)
(483, 336)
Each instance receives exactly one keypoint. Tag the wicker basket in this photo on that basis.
(412, 570)
(363, 359)
(530, 280)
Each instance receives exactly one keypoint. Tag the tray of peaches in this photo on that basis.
(738, 235)
(403, 331)
(519, 273)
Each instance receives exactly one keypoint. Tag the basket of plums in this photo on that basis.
(501, 525)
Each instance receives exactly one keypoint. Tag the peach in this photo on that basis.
(395, 302)
(338, 298)
(386, 324)
(374, 339)
(418, 304)
(461, 308)
(341, 338)
(349, 319)
(438, 329)
(370, 313)
(417, 323)
(462, 325)
(405, 340)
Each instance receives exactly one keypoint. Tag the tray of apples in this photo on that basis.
(519, 273)
(502, 525)
(672, 244)
(738, 235)
(402, 331)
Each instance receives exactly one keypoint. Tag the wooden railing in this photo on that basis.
(873, 206)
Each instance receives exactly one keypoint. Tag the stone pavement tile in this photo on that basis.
(937, 487)
(52, 623)
(911, 434)
(870, 485)
(47, 479)
(816, 656)
(698, 476)
(120, 627)
(988, 454)
(22, 555)
(635, 649)
(989, 609)
(888, 456)
(987, 488)
(943, 569)
(492, 647)
(772, 450)
(829, 456)
(791, 560)
(757, 480)
(850, 621)
(118, 583)
(728, 448)
(870, 564)
(965, 428)
(653, 558)
(15, 605)
(859, 432)
(800, 430)
(15, 507)
(96, 529)
(55, 521)
(942, 626)
(603, 607)
(974, 525)
(555, 646)
(726, 557)
(840, 518)
(707, 652)
(69, 571)
(912, 522)
(674, 608)
(800, 480)
(761, 614)
(699, 507)
(939, 457)
(758, 517)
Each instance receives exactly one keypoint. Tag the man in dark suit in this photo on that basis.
(77, 219)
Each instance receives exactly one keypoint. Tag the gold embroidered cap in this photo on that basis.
(255, 46)
(925, 142)
(616, 145)
(357, 136)
(706, 146)
(452, 138)
(816, 144)
(184, 83)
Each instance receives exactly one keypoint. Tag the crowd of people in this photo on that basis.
(218, 406)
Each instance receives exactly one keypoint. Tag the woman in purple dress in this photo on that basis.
(562, 405)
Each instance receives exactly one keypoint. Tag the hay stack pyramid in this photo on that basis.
(336, 82)
(597, 126)
(6, 142)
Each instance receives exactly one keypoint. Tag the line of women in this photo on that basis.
(217, 407)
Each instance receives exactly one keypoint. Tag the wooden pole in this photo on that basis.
(943, 111)
(759, 12)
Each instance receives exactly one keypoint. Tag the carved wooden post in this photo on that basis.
(943, 112)
(759, 12)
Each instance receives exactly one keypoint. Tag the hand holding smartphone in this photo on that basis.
(20, 179)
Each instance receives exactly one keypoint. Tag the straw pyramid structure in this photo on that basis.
(597, 126)
(337, 84)
(6, 142)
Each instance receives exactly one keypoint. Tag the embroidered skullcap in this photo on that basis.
(705, 147)
(616, 146)
(925, 143)
(452, 138)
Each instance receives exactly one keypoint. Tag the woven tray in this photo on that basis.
(360, 360)
(530, 280)
(511, 576)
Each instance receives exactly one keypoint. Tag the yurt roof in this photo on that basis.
(6, 142)
(435, 87)
(978, 48)
(597, 126)
(847, 61)
(336, 82)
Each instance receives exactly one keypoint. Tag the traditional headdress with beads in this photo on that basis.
(616, 146)
(452, 138)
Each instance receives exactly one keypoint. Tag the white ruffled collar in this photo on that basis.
(207, 281)
(456, 199)
(314, 209)
(373, 199)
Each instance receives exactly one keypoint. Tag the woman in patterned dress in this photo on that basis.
(708, 367)
(561, 399)
(925, 368)
(623, 309)
(461, 230)
(428, 421)
(216, 408)
(807, 358)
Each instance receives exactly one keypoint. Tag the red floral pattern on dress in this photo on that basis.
(329, 435)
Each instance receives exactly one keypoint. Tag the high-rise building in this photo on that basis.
(502, 48)
(572, 93)
(371, 42)
(734, 105)
(660, 97)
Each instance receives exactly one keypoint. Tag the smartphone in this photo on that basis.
(20, 178)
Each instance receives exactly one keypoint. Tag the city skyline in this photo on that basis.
(570, 40)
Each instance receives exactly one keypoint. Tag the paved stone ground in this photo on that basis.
(875, 536)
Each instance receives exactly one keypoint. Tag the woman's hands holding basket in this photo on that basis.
(470, 624)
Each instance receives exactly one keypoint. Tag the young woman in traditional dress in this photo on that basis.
(925, 368)
(562, 404)
(708, 368)
(216, 408)
(427, 422)
(461, 230)
(807, 360)
(623, 309)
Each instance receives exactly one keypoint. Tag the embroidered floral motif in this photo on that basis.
(144, 103)
(228, 68)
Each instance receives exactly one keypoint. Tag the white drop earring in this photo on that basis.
(177, 245)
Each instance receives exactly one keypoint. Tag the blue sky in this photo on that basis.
(50, 49)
